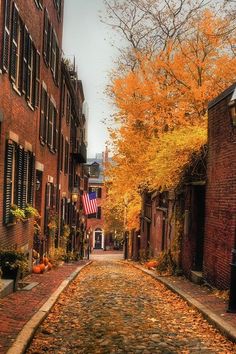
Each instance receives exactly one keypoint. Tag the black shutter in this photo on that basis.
(6, 35)
(45, 36)
(62, 153)
(99, 193)
(24, 59)
(31, 178)
(25, 179)
(37, 79)
(46, 113)
(29, 70)
(42, 106)
(53, 52)
(50, 124)
(8, 181)
(55, 133)
(57, 69)
(63, 91)
(46, 214)
(14, 44)
(19, 175)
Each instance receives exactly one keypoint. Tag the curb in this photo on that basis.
(26, 334)
(226, 329)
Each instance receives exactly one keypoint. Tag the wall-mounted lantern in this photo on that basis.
(232, 108)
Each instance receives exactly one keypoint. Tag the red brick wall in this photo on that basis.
(220, 196)
(22, 120)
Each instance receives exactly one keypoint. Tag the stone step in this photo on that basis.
(197, 277)
(6, 287)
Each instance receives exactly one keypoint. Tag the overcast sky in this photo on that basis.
(86, 38)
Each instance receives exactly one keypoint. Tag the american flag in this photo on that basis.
(90, 203)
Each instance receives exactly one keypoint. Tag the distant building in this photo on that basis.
(95, 222)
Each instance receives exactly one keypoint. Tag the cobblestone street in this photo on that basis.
(113, 307)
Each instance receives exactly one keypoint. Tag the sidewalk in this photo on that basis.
(20, 307)
(202, 298)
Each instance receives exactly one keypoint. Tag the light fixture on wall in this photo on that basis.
(232, 108)
(74, 195)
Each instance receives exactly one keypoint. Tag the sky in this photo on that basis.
(87, 38)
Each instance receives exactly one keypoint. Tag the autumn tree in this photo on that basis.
(162, 104)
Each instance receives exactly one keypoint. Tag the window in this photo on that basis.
(6, 35)
(44, 116)
(19, 177)
(23, 63)
(62, 153)
(68, 108)
(50, 202)
(51, 51)
(39, 4)
(16, 47)
(98, 191)
(48, 133)
(99, 213)
(57, 4)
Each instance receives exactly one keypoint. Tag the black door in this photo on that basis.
(98, 240)
(199, 197)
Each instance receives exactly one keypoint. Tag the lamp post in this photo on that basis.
(232, 290)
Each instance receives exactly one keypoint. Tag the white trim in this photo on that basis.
(13, 136)
(39, 166)
(103, 239)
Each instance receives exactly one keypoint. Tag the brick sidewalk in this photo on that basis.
(213, 308)
(17, 308)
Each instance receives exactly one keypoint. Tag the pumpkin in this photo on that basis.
(45, 261)
(151, 264)
(36, 269)
(42, 267)
(49, 266)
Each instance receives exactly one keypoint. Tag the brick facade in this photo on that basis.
(220, 193)
(33, 107)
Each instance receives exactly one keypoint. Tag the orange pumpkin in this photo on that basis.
(45, 261)
(49, 266)
(151, 264)
(42, 267)
(36, 269)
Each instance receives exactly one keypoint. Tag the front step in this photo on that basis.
(196, 277)
(6, 287)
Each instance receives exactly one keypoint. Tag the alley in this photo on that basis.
(113, 307)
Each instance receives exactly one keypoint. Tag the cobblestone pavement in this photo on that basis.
(113, 307)
(17, 308)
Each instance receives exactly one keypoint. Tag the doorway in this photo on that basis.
(199, 217)
(98, 239)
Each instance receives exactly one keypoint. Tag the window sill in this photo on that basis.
(16, 89)
(11, 224)
(30, 106)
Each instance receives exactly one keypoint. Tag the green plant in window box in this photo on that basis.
(31, 212)
(16, 213)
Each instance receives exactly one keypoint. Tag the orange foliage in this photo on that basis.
(162, 109)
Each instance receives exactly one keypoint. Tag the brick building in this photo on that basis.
(220, 192)
(42, 126)
(95, 222)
